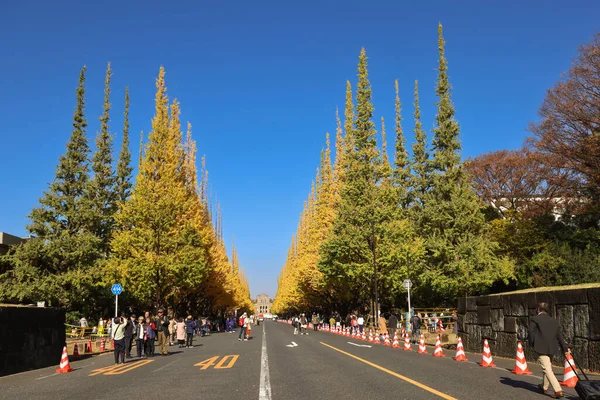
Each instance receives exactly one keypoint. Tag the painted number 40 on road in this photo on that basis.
(225, 363)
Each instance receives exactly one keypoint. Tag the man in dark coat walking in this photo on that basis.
(545, 337)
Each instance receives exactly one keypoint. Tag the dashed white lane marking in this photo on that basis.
(265, 382)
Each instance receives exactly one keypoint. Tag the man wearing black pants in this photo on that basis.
(139, 333)
(129, 329)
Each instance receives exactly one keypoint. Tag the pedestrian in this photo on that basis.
(303, 324)
(392, 324)
(118, 335)
(129, 330)
(415, 327)
(545, 337)
(454, 319)
(180, 332)
(361, 323)
(162, 325)
(149, 337)
(172, 331)
(242, 325)
(101, 327)
(139, 334)
(190, 326)
(382, 325)
(332, 322)
(248, 328)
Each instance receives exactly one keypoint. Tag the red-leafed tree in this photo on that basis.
(524, 181)
(570, 127)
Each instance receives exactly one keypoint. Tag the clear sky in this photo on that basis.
(260, 82)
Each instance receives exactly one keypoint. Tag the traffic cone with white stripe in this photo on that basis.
(370, 336)
(90, 346)
(376, 340)
(460, 351)
(570, 378)
(75, 350)
(407, 343)
(386, 340)
(520, 362)
(364, 336)
(487, 360)
(422, 347)
(64, 366)
(441, 326)
(395, 343)
(102, 345)
(438, 352)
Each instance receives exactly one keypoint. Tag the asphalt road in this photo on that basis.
(275, 364)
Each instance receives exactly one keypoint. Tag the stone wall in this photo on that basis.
(30, 338)
(504, 319)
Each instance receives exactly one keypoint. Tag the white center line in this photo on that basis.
(265, 383)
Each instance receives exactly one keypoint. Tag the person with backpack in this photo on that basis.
(242, 325)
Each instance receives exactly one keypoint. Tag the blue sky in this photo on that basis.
(260, 82)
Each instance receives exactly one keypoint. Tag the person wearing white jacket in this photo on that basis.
(118, 335)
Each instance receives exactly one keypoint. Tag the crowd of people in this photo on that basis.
(387, 323)
(148, 332)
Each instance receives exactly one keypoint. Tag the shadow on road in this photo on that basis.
(520, 384)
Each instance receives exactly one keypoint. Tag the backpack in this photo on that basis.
(242, 321)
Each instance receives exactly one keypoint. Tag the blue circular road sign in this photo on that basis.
(116, 289)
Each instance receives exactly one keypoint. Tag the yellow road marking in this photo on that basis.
(129, 367)
(207, 363)
(118, 369)
(404, 378)
(231, 362)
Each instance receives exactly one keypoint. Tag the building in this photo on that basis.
(263, 304)
(7, 240)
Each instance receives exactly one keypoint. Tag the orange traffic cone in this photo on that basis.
(487, 360)
(64, 366)
(569, 378)
(521, 363)
(75, 350)
(407, 343)
(460, 351)
(395, 343)
(438, 352)
(422, 348)
(364, 336)
(386, 340)
(102, 345)
(370, 336)
(441, 326)
(376, 340)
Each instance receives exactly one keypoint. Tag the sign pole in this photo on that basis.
(409, 300)
(116, 306)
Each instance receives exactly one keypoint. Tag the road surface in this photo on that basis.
(277, 365)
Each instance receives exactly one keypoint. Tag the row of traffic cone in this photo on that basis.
(570, 379)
